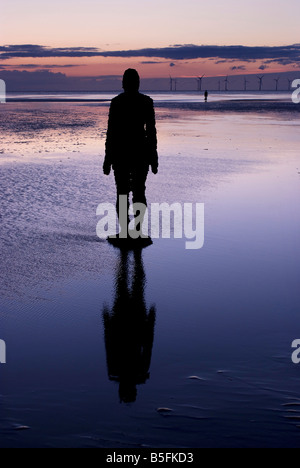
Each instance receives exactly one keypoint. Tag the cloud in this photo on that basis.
(242, 67)
(282, 61)
(149, 62)
(106, 78)
(284, 55)
(152, 62)
(31, 66)
(38, 51)
(263, 67)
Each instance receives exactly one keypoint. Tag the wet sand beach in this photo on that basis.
(217, 323)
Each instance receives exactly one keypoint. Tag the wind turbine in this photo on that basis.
(175, 84)
(260, 77)
(172, 81)
(245, 82)
(199, 79)
(290, 83)
(276, 81)
(226, 83)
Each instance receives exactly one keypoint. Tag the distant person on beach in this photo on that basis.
(131, 144)
(206, 96)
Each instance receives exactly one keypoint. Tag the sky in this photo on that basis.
(95, 38)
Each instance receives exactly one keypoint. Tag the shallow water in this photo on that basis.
(220, 320)
(184, 97)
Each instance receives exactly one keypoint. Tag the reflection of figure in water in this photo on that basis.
(206, 96)
(129, 329)
(131, 145)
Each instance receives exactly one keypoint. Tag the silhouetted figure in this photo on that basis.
(131, 144)
(206, 96)
(129, 329)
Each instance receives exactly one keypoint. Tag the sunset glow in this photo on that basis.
(115, 25)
